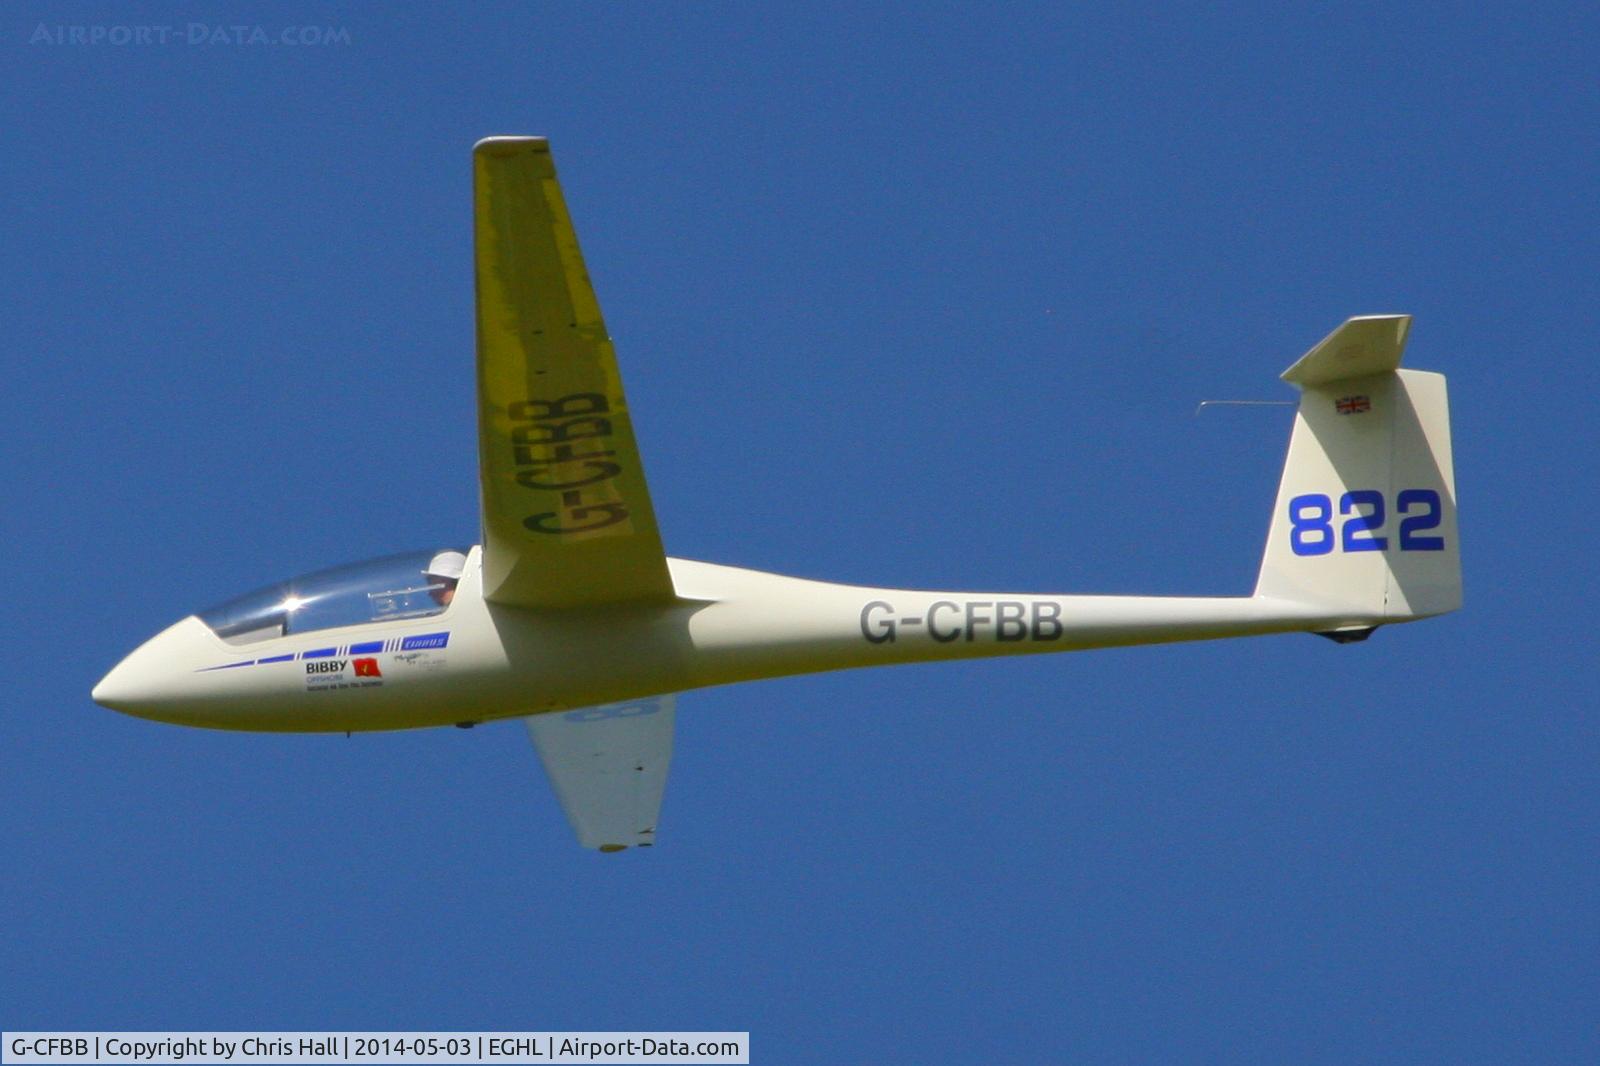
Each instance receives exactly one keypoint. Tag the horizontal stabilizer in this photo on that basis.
(1369, 344)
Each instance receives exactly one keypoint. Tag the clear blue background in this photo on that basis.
(924, 297)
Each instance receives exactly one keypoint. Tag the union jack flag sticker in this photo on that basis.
(1352, 405)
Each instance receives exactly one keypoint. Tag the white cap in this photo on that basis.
(446, 565)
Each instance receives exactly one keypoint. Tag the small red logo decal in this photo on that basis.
(367, 668)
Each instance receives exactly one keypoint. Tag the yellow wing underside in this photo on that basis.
(567, 520)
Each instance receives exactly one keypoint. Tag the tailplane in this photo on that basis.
(1365, 521)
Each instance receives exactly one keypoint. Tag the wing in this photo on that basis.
(567, 519)
(608, 766)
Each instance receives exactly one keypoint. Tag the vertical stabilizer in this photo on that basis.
(1365, 520)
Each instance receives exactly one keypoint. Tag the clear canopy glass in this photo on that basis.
(378, 590)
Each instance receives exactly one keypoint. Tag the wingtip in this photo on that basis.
(511, 145)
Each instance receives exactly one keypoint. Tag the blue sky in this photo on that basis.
(922, 296)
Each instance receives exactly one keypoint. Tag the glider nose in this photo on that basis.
(126, 688)
(148, 683)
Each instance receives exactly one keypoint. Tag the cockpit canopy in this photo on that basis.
(378, 590)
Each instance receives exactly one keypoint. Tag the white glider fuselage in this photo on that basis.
(478, 661)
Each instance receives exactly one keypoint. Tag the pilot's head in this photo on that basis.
(443, 572)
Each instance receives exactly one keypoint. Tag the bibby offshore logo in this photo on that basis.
(366, 667)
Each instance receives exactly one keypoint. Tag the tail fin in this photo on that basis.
(1365, 522)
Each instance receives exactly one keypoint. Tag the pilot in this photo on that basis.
(443, 573)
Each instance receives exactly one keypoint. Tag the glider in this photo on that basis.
(570, 615)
